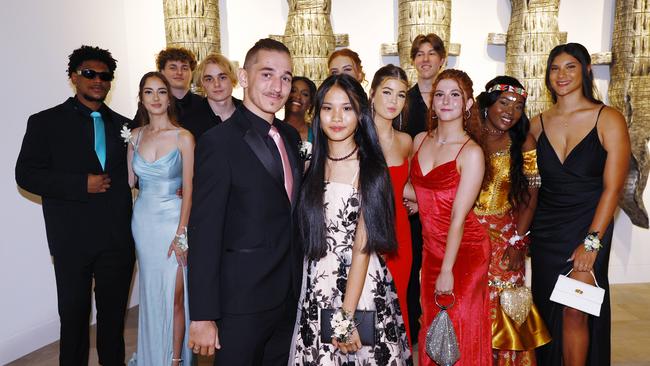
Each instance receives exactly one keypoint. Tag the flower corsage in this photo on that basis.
(518, 241)
(181, 240)
(342, 326)
(304, 150)
(592, 242)
(125, 133)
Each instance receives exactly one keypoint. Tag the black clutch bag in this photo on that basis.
(364, 319)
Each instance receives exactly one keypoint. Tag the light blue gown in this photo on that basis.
(156, 214)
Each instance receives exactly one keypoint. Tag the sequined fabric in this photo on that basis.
(442, 345)
(493, 199)
(513, 344)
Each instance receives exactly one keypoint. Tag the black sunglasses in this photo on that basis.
(91, 74)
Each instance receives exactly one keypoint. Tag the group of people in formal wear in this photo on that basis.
(334, 236)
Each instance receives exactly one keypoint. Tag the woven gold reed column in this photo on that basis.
(532, 34)
(193, 24)
(629, 92)
(310, 38)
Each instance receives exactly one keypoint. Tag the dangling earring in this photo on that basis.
(433, 115)
(468, 114)
(372, 109)
(400, 121)
(485, 112)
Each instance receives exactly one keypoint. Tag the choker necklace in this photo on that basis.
(491, 131)
(344, 157)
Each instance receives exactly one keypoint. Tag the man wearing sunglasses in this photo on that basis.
(73, 157)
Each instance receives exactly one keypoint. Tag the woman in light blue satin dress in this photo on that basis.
(160, 158)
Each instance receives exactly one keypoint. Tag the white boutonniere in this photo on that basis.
(304, 150)
(125, 133)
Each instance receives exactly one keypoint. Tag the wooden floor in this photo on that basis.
(630, 332)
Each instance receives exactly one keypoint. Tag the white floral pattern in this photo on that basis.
(325, 284)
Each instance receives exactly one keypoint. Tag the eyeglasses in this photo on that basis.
(91, 74)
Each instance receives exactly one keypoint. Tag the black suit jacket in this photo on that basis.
(201, 118)
(417, 112)
(242, 252)
(55, 159)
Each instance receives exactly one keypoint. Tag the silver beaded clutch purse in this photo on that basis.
(441, 343)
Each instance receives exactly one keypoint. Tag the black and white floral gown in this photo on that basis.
(323, 287)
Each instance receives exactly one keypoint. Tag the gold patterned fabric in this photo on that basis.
(493, 199)
(512, 345)
(506, 335)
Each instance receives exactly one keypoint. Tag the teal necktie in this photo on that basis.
(100, 138)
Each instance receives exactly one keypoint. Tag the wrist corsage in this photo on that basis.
(342, 325)
(180, 240)
(518, 241)
(304, 150)
(592, 242)
(125, 133)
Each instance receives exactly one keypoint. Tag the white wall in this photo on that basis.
(38, 35)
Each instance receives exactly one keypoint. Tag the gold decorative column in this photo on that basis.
(310, 38)
(193, 24)
(420, 17)
(532, 34)
(629, 92)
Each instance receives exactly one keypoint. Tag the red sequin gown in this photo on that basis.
(399, 263)
(435, 192)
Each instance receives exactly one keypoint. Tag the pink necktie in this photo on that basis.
(286, 166)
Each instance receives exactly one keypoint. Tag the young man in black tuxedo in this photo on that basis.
(74, 158)
(177, 64)
(243, 262)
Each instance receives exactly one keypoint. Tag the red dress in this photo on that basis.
(435, 192)
(399, 263)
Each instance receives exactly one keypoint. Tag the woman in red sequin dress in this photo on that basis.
(447, 173)
(387, 99)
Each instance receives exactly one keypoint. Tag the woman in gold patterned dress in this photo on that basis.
(505, 207)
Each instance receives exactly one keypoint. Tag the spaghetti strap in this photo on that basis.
(137, 140)
(421, 142)
(541, 120)
(598, 117)
(461, 148)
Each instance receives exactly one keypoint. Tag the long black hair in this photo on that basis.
(519, 183)
(377, 205)
(580, 53)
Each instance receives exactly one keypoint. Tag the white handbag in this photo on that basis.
(578, 295)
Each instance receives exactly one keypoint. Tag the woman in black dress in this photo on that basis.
(583, 152)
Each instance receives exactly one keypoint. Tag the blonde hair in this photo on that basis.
(219, 60)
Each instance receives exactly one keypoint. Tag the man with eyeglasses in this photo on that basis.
(74, 158)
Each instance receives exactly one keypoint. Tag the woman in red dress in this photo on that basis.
(447, 173)
(387, 99)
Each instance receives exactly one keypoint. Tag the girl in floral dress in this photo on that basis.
(346, 221)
